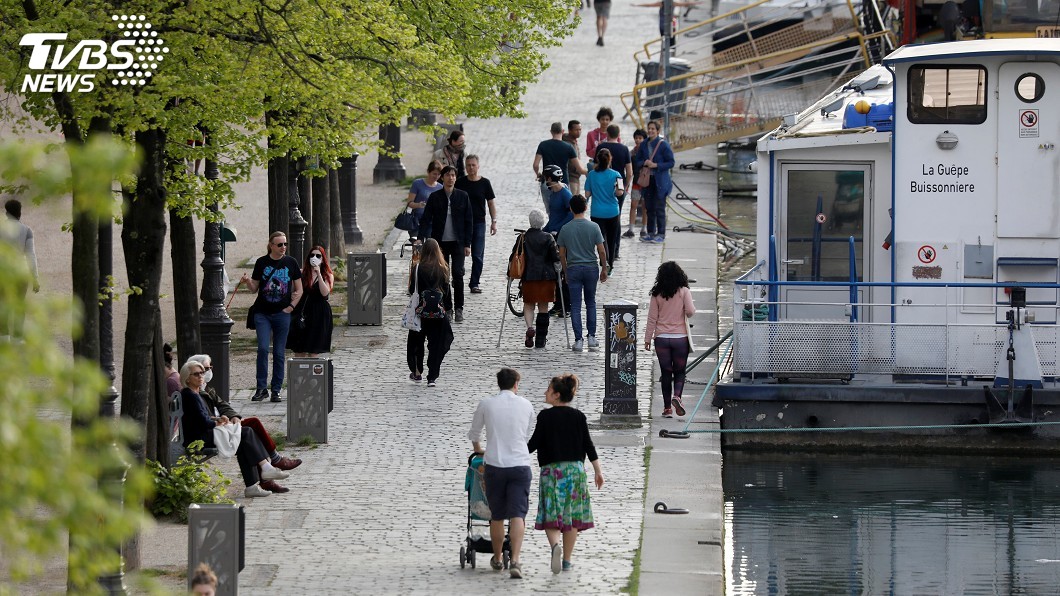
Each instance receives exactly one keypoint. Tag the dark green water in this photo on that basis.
(865, 524)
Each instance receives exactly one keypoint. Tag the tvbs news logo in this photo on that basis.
(130, 61)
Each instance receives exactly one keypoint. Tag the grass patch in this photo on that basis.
(633, 585)
(280, 438)
(307, 441)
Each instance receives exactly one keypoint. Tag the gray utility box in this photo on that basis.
(216, 537)
(310, 398)
(620, 357)
(366, 288)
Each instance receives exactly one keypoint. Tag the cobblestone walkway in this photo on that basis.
(381, 508)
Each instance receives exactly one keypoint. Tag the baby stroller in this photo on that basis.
(478, 510)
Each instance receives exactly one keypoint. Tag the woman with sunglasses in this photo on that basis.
(311, 323)
(278, 283)
(258, 471)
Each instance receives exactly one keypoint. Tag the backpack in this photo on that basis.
(431, 306)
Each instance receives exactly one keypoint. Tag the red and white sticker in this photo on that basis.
(926, 254)
(1028, 124)
(821, 218)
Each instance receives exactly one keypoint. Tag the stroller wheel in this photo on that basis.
(463, 557)
(471, 557)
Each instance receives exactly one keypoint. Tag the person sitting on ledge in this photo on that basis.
(219, 407)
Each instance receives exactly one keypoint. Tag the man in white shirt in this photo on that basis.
(508, 418)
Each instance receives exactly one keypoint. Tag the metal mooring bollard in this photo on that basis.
(620, 357)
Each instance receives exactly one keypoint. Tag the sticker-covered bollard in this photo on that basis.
(216, 537)
(310, 397)
(620, 379)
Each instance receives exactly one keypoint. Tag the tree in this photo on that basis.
(51, 469)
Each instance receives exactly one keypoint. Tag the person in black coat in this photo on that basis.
(539, 279)
(452, 233)
(430, 274)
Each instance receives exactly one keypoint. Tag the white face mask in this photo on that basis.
(314, 261)
(208, 376)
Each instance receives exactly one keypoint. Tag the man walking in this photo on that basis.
(453, 152)
(554, 152)
(507, 418)
(574, 174)
(584, 259)
(21, 237)
(447, 219)
(480, 191)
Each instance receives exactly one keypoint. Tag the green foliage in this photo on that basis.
(190, 480)
(51, 470)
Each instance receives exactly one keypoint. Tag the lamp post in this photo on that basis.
(215, 327)
(389, 167)
(297, 224)
(348, 198)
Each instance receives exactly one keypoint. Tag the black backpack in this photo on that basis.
(431, 305)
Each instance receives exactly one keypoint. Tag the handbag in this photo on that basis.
(517, 262)
(226, 438)
(644, 174)
(253, 310)
(410, 319)
(406, 221)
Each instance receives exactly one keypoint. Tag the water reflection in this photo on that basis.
(866, 524)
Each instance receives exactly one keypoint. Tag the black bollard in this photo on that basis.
(620, 359)
(389, 167)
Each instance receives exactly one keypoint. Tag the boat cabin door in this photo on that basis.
(1029, 156)
(821, 206)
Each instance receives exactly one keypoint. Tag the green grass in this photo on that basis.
(633, 585)
(280, 438)
(307, 441)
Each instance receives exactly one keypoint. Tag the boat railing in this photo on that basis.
(945, 330)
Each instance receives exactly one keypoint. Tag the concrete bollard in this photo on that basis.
(620, 358)
(216, 537)
(310, 398)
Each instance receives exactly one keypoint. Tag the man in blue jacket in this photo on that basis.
(447, 218)
(656, 155)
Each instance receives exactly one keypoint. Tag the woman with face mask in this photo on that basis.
(311, 323)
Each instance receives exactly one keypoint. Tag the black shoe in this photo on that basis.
(600, 41)
(275, 397)
(260, 394)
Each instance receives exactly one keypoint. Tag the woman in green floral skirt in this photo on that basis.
(561, 439)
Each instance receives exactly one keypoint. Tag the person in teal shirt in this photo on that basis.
(604, 186)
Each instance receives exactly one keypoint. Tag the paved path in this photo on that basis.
(381, 508)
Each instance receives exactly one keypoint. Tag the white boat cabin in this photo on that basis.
(896, 214)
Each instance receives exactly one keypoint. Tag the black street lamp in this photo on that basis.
(389, 167)
(348, 198)
(297, 224)
(215, 327)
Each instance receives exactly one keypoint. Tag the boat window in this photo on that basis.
(1030, 87)
(947, 95)
(825, 208)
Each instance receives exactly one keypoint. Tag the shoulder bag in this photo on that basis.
(517, 262)
(644, 175)
(253, 310)
(406, 221)
(410, 319)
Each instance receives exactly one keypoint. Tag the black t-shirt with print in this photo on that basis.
(275, 295)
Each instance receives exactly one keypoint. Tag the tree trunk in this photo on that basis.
(158, 409)
(321, 211)
(143, 238)
(185, 286)
(337, 246)
(278, 207)
(305, 193)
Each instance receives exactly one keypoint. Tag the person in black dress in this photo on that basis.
(311, 322)
(432, 273)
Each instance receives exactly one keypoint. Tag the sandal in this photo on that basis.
(495, 564)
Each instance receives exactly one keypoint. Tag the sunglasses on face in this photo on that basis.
(198, 374)
(281, 244)
(317, 255)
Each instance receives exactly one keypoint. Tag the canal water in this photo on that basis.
(858, 523)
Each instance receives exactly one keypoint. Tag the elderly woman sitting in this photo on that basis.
(199, 425)
(539, 278)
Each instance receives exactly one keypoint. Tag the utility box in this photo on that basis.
(366, 288)
(310, 398)
(216, 537)
(620, 358)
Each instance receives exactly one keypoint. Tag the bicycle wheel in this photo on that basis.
(515, 296)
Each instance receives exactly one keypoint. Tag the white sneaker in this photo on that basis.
(256, 491)
(592, 343)
(557, 558)
(577, 346)
(272, 473)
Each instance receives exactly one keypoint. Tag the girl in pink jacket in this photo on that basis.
(670, 306)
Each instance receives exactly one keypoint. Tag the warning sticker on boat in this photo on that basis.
(1028, 124)
(926, 254)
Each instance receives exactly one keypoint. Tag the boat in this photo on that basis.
(907, 298)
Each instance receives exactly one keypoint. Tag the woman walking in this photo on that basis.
(421, 189)
(604, 187)
(312, 324)
(561, 439)
(656, 155)
(670, 306)
(431, 279)
(539, 279)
